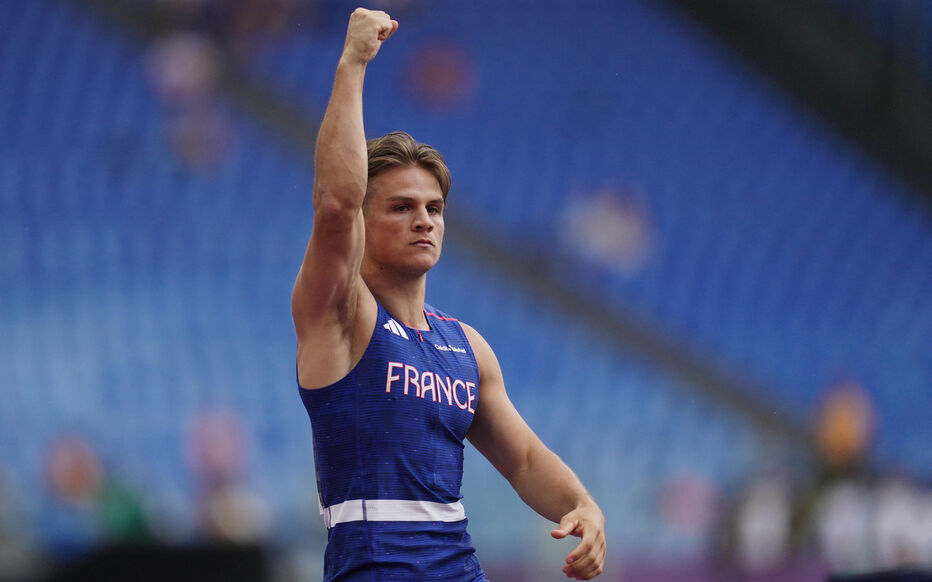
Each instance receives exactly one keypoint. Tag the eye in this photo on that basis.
(401, 207)
(433, 209)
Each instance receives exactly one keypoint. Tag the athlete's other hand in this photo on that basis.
(587, 559)
(366, 32)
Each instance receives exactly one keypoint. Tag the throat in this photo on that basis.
(409, 313)
(417, 321)
(403, 300)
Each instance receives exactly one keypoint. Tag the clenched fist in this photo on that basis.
(366, 32)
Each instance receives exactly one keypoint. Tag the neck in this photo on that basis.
(402, 295)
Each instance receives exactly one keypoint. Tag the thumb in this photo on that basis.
(388, 31)
(567, 525)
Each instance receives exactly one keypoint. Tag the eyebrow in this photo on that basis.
(403, 198)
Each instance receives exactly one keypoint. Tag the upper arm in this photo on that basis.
(326, 287)
(325, 291)
(330, 304)
(498, 431)
(333, 310)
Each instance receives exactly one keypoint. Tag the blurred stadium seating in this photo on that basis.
(782, 249)
(137, 292)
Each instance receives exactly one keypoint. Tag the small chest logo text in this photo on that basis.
(450, 349)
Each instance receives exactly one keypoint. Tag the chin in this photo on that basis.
(422, 268)
(418, 267)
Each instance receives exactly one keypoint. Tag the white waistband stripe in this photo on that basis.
(392, 510)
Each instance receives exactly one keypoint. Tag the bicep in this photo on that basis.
(329, 275)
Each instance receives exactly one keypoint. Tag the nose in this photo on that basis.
(422, 221)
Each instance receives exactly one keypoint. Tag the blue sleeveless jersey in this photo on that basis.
(388, 448)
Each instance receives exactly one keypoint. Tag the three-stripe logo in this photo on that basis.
(394, 327)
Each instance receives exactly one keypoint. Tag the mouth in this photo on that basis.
(423, 242)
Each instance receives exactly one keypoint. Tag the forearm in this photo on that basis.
(549, 486)
(340, 162)
(536, 473)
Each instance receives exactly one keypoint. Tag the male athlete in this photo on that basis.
(392, 385)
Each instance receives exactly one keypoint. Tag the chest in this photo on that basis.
(425, 382)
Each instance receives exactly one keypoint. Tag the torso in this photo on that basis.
(388, 440)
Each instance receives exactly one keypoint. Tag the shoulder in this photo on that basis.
(475, 338)
(485, 356)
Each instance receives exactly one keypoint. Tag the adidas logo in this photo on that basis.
(394, 327)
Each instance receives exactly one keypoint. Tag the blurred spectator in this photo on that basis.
(122, 514)
(689, 505)
(845, 427)
(924, 527)
(217, 452)
(848, 518)
(87, 507)
(762, 525)
(612, 228)
(250, 22)
(838, 512)
(897, 523)
(16, 544)
(842, 522)
(440, 75)
(73, 476)
(185, 71)
(240, 27)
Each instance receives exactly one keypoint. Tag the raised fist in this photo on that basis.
(366, 32)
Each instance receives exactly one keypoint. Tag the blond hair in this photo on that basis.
(398, 149)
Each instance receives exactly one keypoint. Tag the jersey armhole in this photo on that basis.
(378, 317)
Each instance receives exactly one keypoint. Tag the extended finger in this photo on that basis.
(580, 564)
(586, 567)
(579, 553)
(584, 547)
(578, 561)
(587, 558)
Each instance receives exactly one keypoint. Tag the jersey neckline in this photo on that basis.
(428, 311)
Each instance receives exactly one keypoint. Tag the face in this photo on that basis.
(404, 220)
